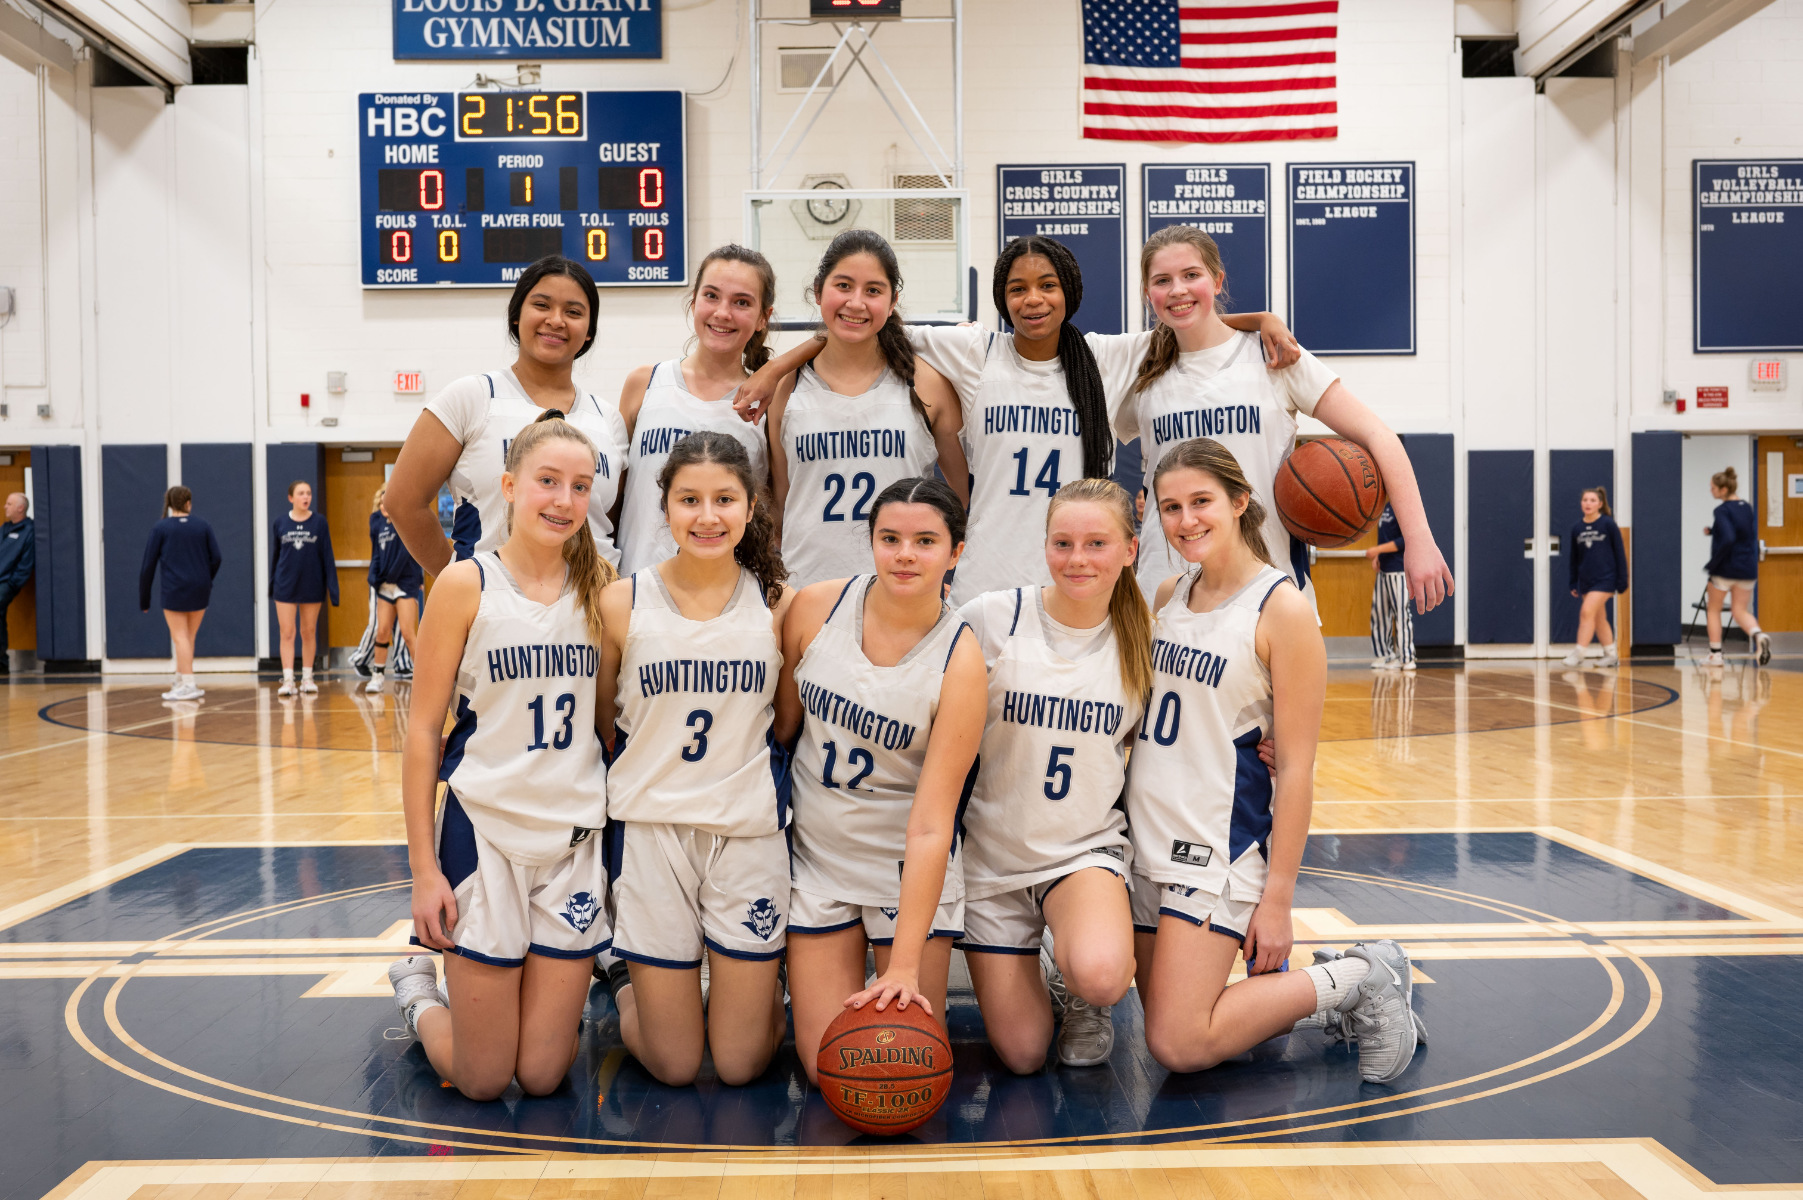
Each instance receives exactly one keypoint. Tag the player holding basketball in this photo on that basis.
(461, 437)
(1038, 405)
(888, 697)
(864, 414)
(1046, 844)
(698, 791)
(1200, 378)
(510, 885)
(1217, 840)
(730, 304)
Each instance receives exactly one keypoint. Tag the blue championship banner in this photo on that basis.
(1747, 247)
(1352, 257)
(1085, 207)
(1230, 202)
(528, 29)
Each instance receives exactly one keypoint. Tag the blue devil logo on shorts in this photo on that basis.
(579, 910)
(763, 916)
(890, 912)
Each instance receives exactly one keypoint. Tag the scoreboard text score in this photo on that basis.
(467, 189)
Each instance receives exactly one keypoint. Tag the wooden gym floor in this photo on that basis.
(1597, 872)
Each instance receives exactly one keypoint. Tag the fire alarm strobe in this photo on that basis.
(1766, 375)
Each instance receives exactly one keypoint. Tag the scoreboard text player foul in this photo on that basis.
(466, 189)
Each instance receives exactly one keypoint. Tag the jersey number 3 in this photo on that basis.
(566, 704)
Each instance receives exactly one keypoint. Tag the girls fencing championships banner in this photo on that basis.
(1231, 202)
(531, 29)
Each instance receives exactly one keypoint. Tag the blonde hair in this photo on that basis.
(1126, 604)
(589, 572)
(1602, 497)
(1212, 458)
(1727, 479)
(1161, 354)
(375, 506)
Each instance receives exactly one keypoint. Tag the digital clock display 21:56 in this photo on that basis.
(468, 189)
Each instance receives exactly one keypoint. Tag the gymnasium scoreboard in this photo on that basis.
(467, 189)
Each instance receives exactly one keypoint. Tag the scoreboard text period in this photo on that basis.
(467, 189)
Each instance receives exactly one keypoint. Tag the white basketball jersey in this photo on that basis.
(523, 757)
(486, 431)
(842, 451)
(696, 699)
(1198, 797)
(1244, 409)
(1024, 442)
(1053, 758)
(669, 413)
(863, 743)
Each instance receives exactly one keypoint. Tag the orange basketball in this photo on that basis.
(884, 1072)
(1328, 492)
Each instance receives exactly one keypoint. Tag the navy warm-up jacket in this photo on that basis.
(1599, 561)
(184, 546)
(301, 567)
(1734, 542)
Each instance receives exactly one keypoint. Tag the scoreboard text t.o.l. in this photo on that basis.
(467, 189)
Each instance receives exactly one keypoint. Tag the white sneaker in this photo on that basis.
(287, 688)
(1762, 647)
(174, 693)
(1611, 658)
(308, 687)
(1574, 659)
(1087, 1036)
(186, 691)
(1054, 978)
(1712, 659)
(415, 983)
(374, 686)
(1409, 665)
(1381, 1012)
(1385, 663)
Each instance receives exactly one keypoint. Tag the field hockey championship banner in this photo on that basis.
(1252, 71)
(534, 29)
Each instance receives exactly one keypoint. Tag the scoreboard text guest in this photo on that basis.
(466, 189)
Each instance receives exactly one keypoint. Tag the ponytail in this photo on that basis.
(757, 349)
(1127, 609)
(756, 549)
(1602, 497)
(1212, 458)
(588, 571)
(1162, 354)
(177, 499)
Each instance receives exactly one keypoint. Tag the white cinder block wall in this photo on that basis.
(203, 255)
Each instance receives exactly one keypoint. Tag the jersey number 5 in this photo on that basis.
(1058, 773)
(566, 704)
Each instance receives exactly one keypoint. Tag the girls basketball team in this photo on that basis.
(773, 745)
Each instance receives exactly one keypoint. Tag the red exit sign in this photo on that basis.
(409, 383)
(1712, 397)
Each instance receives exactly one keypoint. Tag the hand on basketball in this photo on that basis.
(1270, 937)
(1430, 580)
(1281, 347)
(434, 911)
(899, 987)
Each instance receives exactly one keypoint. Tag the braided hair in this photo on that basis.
(892, 338)
(1082, 378)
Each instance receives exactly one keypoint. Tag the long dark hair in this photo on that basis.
(553, 264)
(922, 490)
(757, 350)
(892, 338)
(756, 550)
(1082, 378)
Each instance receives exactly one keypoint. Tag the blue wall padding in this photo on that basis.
(133, 479)
(220, 476)
(62, 574)
(1654, 549)
(1500, 514)
(1431, 454)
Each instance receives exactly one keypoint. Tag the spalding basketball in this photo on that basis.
(884, 1072)
(1328, 492)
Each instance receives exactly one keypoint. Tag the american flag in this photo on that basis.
(1245, 71)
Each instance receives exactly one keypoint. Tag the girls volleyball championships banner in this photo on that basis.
(1241, 71)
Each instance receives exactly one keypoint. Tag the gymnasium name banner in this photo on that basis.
(535, 29)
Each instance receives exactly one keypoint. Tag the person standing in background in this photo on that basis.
(183, 545)
(302, 574)
(1733, 567)
(1599, 569)
(1392, 624)
(399, 587)
(18, 557)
